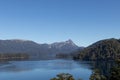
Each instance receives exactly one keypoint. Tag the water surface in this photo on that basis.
(43, 70)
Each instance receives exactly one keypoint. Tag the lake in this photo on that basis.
(44, 69)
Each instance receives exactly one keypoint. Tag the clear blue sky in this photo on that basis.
(48, 21)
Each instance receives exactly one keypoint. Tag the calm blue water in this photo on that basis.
(43, 70)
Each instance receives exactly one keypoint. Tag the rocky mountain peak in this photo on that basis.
(69, 41)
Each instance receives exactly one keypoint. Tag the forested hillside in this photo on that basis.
(108, 49)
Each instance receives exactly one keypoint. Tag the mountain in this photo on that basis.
(108, 49)
(36, 50)
(63, 47)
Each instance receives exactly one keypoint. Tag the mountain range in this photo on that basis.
(36, 50)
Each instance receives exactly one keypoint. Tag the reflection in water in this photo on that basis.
(42, 70)
(46, 69)
(29, 65)
(103, 66)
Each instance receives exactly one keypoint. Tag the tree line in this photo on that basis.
(13, 56)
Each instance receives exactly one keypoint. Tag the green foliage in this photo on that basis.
(108, 49)
(115, 73)
(96, 75)
(63, 76)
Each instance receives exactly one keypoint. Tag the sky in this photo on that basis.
(48, 21)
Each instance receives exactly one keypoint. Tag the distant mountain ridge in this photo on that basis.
(35, 49)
